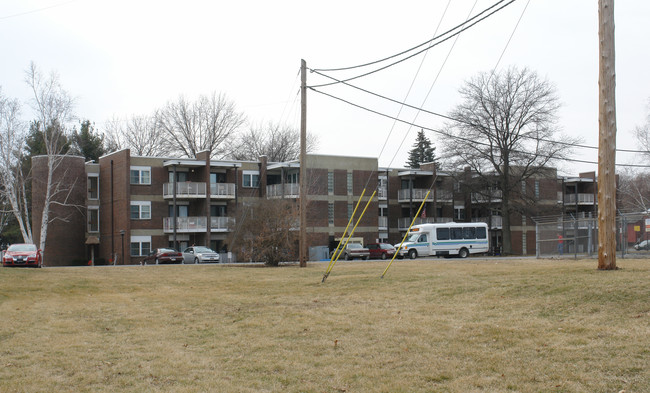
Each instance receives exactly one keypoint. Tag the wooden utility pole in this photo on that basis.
(607, 138)
(302, 243)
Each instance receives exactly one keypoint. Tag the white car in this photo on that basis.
(199, 254)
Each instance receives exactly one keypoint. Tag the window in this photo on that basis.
(469, 233)
(217, 178)
(250, 179)
(350, 210)
(218, 211)
(140, 210)
(537, 189)
(182, 210)
(523, 187)
(330, 182)
(442, 233)
(93, 187)
(456, 233)
(349, 183)
(330, 213)
(93, 219)
(293, 178)
(459, 213)
(481, 233)
(423, 238)
(181, 177)
(140, 246)
(140, 175)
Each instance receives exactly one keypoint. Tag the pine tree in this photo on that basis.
(422, 152)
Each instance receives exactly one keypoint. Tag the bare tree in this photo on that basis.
(280, 143)
(634, 191)
(505, 132)
(13, 190)
(53, 107)
(642, 133)
(141, 134)
(191, 127)
(267, 231)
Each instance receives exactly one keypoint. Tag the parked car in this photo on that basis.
(163, 255)
(355, 250)
(22, 255)
(380, 250)
(644, 245)
(199, 254)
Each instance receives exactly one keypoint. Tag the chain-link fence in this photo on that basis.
(577, 236)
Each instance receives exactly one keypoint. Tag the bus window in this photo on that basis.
(480, 233)
(423, 238)
(456, 233)
(442, 233)
(469, 233)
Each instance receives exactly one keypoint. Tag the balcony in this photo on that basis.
(487, 196)
(287, 190)
(382, 193)
(496, 221)
(197, 190)
(404, 222)
(404, 195)
(583, 199)
(197, 224)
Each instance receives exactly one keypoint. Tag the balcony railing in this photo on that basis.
(198, 190)
(222, 190)
(583, 199)
(404, 222)
(287, 190)
(197, 224)
(382, 193)
(404, 195)
(488, 196)
(496, 223)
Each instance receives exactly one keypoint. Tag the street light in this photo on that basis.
(122, 232)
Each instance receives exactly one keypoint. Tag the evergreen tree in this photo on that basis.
(86, 142)
(422, 152)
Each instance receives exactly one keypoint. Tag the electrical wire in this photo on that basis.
(570, 144)
(415, 47)
(417, 53)
(36, 10)
(445, 134)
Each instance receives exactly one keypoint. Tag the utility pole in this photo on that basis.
(302, 243)
(607, 138)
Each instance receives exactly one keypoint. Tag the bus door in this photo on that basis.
(423, 245)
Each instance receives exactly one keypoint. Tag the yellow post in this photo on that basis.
(353, 229)
(407, 233)
(336, 251)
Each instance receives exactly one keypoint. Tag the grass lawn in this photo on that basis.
(443, 325)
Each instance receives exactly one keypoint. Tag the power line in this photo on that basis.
(417, 46)
(571, 144)
(417, 53)
(455, 136)
(36, 10)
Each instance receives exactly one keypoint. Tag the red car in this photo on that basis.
(381, 250)
(22, 255)
(164, 255)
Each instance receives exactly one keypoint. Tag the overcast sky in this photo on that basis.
(128, 57)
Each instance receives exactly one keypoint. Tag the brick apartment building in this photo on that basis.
(127, 205)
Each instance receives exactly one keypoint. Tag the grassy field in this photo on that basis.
(444, 325)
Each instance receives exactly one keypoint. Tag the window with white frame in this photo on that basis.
(93, 186)
(349, 183)
(250, 179)
(140, 210)
(141, 175)
(330, 213)
(459, 213)
(330, 182)
(537, 189)
(140, 246)
(350, 210)
(93, 218)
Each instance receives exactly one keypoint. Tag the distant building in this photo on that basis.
(126, 205)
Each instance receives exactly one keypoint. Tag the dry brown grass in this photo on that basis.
(436, 326)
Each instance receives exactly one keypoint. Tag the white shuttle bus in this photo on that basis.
(450, 238)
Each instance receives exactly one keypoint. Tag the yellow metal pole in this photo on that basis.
(355, 227)
(407, 233)
(336, 251)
